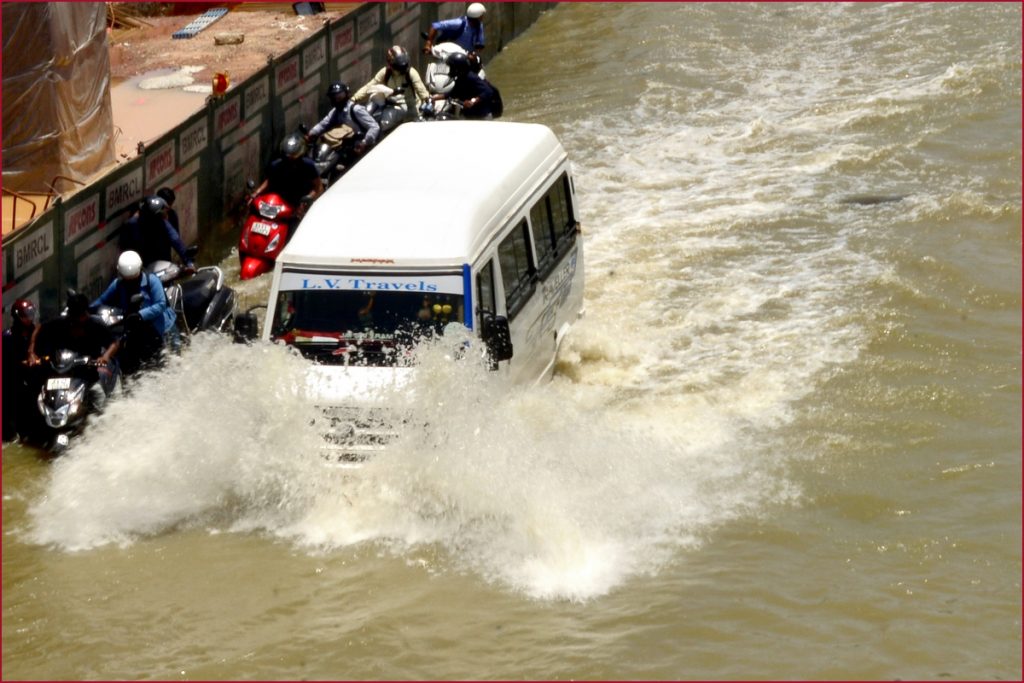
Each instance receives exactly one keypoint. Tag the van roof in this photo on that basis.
(428, 195)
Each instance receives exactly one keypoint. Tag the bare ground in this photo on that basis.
(271, 30)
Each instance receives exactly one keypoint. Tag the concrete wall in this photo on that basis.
(208, 158)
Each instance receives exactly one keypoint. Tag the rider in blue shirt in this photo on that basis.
(467, 30)
(153, 308)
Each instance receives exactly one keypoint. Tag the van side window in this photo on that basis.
(485, 288)
(552, 224)
(562, 220)
(543, 235)
(517, 272)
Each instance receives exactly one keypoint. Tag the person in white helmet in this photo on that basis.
(467, 30)
(148, 339)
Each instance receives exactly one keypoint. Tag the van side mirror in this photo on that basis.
(246, 327)
(497, 337)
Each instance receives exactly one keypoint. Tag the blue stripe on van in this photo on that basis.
(467, 289)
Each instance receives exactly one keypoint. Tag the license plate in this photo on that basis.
(261, 228)
(56, 383)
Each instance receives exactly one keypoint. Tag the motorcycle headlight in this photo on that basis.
(273, 244)
(269, 210)
(109, 316)
(70, 401)
(64, 360)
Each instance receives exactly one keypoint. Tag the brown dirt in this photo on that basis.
(271, 30)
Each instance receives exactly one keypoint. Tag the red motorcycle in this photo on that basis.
(264, 234)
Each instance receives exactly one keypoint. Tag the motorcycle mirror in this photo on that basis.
(136, 298)
(251, 184)
(192, 251)
(495, 332)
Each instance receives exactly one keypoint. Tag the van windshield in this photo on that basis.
(374, 321)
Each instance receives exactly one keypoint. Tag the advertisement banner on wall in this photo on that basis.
(160, 163)
(368, 22)
(193, 139)
(34, 249)
(256, 96)
(81, 218)
(343, 37)
(187, 206)
(286, 74)
(314, 56)
(123, 192)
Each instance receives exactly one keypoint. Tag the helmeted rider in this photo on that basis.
(86, 336)
(16, 390)
(346, 119)
(150, 234)
(398, 73)
(292, 175)
(151, 321)
(475, 93)
(466, 31)
(167, 194)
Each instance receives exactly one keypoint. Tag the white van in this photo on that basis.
(473, 222)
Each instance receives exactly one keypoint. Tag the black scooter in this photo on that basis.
(67, 394)
(199, 298)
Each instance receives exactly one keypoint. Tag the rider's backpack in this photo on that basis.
(497, 106)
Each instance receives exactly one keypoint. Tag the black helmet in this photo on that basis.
(398, 59)
(153, 206)
(337, 90)
(167, 194)
(293, 146)
(458, 64)
(24, 312)
(78, 304)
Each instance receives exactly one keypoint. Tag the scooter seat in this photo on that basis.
(196, 293)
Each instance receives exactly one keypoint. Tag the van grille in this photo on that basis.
(352, 435)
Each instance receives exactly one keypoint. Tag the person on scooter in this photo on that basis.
(16, 390)
(476, 94)
(147, 339)
(292, 175)
(466, 31)
(150, 234)
(397, 74)
(86, 336)
(167, 194)
(345, 119)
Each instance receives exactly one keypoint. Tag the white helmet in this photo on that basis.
(475, 11)
(129, 265)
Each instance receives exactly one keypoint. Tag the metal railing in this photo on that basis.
(14, 207)
(32, 201)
